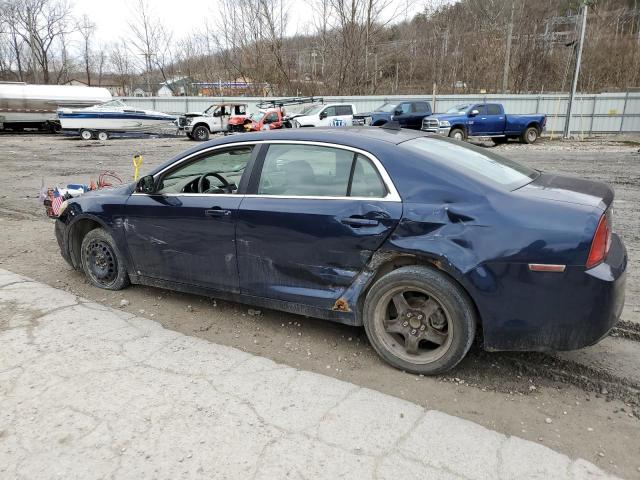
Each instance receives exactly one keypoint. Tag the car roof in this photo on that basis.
(359, 137)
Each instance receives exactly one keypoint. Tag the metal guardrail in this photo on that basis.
(592, 113)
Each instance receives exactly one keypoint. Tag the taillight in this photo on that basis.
(601, 241)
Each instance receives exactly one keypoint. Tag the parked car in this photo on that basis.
(330, 115)
(421, 239)
(213, 120)
(270, 119)
(408, 114)
(485, 120)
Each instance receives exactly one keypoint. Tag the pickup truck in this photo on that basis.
(199, 126)
(330, 115)
(485, 120)
(408, 113)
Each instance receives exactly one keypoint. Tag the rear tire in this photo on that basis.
(530, 135)
(103, 136)
(457, 134)
(102, 262)
(200, 133)
(419, 320)
(86, 134)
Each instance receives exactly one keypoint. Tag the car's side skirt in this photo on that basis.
(345, 317)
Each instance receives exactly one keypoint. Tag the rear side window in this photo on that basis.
(421, 107)
(473, 161)
(493, 109)
(317, 171)
(344, 110)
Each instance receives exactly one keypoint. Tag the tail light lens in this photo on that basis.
(601, 241)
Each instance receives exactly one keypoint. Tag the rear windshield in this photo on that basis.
(474, 161)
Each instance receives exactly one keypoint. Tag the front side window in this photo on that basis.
(330, 112)
(272, 117)
(404, 108)
(215, 173)
(318, 171)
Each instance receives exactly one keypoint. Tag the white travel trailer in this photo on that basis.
(34, 106)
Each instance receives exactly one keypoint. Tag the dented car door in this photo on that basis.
(311, 220)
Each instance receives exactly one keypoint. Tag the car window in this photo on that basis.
(473, 161)
(366, 180)
(305, 170)
(482, 109)
(405, 108)
(493, 109)
(240, 110)
(330, 111)
(230, 164)
(344, 110)
(420, 107)
(272, 117)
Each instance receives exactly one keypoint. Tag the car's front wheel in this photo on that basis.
(419, 320)
(102, 262)
(200, 133)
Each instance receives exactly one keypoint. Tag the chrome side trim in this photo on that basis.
(392, 195)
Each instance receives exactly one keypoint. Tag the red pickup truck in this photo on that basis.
(264, 120)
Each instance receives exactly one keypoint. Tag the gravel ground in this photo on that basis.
(485, 388)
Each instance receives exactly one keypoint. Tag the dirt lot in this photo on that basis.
(514, 394)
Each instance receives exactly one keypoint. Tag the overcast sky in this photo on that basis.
(110, 16)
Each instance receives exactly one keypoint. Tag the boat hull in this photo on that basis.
(114, 122)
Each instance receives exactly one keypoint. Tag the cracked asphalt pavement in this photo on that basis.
(88, 391)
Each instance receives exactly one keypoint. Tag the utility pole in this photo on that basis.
(576, 70)
(507, 52)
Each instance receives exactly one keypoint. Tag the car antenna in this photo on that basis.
(392, 125)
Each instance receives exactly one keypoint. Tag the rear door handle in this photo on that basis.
(359, 222)
(217, 212)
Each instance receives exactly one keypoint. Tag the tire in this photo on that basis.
(102, 262)
(103, 136)
(530, 135)
(435, 309)
(86, 134)
(200, 133)
(458, 134)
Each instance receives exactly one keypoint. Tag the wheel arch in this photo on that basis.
(534, 124)
(77, 230)
(201, 124)
(460, 126)
(382, 263)
(379, 123)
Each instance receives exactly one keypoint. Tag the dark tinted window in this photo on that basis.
(493, 109)
(421, 107)
(482, 109)
(473, 161)
(344, 110)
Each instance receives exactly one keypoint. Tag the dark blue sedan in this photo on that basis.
(422, 240)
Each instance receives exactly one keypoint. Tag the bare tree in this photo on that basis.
(86, 28)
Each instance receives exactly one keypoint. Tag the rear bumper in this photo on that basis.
(544, 311)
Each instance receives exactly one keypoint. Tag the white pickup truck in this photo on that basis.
(327, 115)
(213, 119)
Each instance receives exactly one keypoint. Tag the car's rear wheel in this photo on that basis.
(530, 135)
(103, 136)
(419, 320)
(200, 133)
(457, 133)
(102, 261)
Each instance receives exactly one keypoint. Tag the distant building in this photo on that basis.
(177, 87)
(237, 87)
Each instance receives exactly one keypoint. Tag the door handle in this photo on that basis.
(217, 212)
(359, 222)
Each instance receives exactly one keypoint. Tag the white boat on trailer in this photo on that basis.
(99, 121)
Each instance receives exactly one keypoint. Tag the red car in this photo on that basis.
(265, 120)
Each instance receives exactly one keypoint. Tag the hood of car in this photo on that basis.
(569, 190)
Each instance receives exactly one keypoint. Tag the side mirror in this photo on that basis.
(474, 112)
(146, 185)
(323, 115)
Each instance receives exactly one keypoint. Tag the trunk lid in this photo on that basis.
(569, 190)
